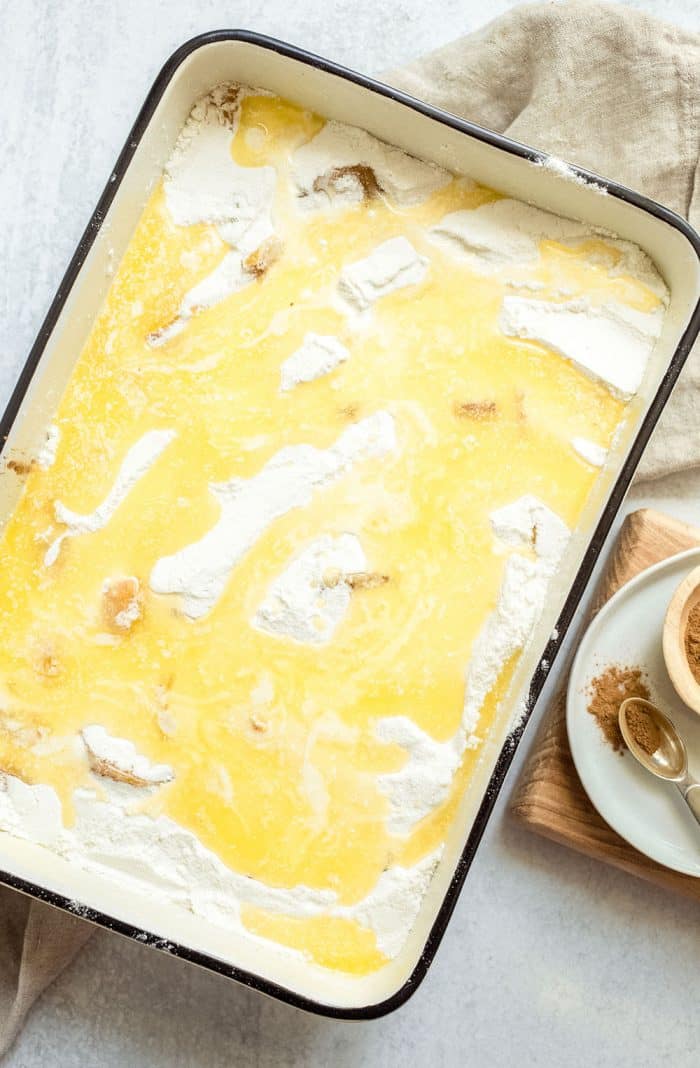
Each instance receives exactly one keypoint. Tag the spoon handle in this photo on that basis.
(691, 795)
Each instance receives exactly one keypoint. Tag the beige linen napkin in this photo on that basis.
(36, 944)
(608, 88)
(605, 87)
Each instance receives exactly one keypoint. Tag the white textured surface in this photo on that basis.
(549, 958)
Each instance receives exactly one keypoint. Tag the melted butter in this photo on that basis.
(283, 786)
(331, 941)
(433, 829)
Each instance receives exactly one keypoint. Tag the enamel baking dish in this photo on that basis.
(493, 160)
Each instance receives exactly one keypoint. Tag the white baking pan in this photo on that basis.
(461, 147)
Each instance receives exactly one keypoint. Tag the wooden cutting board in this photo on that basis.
(549, 797)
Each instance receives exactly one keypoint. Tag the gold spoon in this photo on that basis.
(669, 760)
(673, 641)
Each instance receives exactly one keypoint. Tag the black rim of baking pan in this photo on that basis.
(578, 586)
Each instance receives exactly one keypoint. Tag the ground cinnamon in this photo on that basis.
(363, 174)
(20, 467)
(692, 641)
(643, 728)
(607, 692)
(480, 410)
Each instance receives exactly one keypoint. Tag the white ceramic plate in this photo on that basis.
(648, 813)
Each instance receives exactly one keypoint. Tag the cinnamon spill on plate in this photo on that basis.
(607, 691)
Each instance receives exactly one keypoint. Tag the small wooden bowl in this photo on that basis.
(686, 596)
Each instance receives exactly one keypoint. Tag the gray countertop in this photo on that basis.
(550, 958)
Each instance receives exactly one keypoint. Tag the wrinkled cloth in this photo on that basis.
(602, 86)
(36, 943)
(605, 87)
